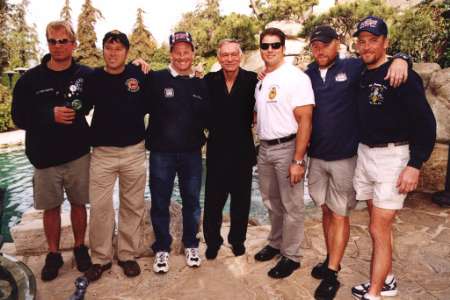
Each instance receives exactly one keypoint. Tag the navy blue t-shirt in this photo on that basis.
(335, 130)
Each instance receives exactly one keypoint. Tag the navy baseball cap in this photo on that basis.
(181, 36)
(373, 25)
(323, 33)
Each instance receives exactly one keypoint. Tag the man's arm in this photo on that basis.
(303, 116)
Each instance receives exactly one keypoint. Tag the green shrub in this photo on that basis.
(5, 109)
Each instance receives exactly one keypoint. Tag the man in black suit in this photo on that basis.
(231, 152)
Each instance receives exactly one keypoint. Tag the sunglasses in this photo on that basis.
(275, 46)
(53, 42)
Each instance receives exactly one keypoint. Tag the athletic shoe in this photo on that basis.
(389, 289)
(161, 262)
(192, 257)
(366, 296)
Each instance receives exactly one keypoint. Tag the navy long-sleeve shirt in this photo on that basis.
(388, 114)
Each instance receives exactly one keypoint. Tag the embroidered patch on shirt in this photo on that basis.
(44, 91)
(376, 96)
(169, 93)
(132, 85)
(273, 93)
(341, 77)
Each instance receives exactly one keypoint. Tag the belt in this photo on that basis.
(280, 140)
(384, 145)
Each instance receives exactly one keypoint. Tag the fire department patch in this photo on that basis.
(132, 85)
(376, 96)
(273, 93)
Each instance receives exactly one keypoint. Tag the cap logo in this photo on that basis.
(368, 23)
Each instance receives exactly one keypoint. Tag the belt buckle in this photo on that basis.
(279, 141)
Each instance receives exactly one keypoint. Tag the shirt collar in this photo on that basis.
(174, 73)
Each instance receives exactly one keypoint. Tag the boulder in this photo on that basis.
(252, 61)
(438, 95)
(29, 236)
(290, 28)
(433, 172)
(425, 70)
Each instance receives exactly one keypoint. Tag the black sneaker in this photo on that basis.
(389, 289)
(53, 261)
(320, 269)
(82, 258)
(266, 253)
(238, 249)
(283, 268)
(211, 252)
(328, 287)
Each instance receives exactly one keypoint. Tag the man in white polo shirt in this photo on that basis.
(284, 105)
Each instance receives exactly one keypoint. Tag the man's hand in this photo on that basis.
(64, 115)
(262, 74)
(397, 73)
(145, 67)
(408, 180)
(296, 173)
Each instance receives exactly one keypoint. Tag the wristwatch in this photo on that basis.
(300, 162)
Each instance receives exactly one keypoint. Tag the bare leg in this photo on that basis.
(78, 216)
(326, 216)
(338, 235)
(380, 230)
(52, 228)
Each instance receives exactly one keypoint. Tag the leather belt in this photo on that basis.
(384, 145)
(280, 140)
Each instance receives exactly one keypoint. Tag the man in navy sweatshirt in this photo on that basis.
(47, 105)
(397, 135)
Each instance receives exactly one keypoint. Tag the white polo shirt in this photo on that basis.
(277, 96)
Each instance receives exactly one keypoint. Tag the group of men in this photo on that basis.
(365, 124)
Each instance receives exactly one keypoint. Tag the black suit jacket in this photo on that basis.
(230, 142)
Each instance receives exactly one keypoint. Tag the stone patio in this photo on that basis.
(421, 264)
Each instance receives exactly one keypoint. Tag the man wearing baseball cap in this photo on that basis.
(117, 135)
(397, 135)
(177, 105)
(333, 146)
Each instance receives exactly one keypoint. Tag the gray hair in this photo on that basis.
(229, 41)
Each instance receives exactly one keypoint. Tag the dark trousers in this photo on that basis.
(218, 186)
(163, 168)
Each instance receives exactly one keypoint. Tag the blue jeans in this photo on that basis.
(163, 167)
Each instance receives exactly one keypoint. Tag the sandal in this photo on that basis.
(95, 271)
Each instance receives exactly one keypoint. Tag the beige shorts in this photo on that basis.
(50, 183)
(377, 172)
(331, 183)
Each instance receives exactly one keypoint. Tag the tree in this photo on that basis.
(241, 27)
(344, 17)
(423, 33)
(21, 38)
(142, 42)
(270, 10)
(160, 58)
(201, 24)
(87, 52)
(4, 48)
(66, 12)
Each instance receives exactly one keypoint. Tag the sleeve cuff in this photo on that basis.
(415, 163)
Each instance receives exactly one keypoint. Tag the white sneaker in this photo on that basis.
(192, 257)
(389, 288)
(161, 262)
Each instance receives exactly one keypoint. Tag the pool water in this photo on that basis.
(16, 173)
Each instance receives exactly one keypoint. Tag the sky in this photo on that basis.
(160, 18)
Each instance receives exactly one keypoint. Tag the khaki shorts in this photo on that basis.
(331, 183)
(50, 183)
(377, 172)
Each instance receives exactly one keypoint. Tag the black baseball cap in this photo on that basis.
(373, 25)
(116, 36)
(181, 36)
(323, 33)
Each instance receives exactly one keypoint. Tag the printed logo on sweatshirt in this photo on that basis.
(341, 77)
(169, 93)
(44, 91)
(197, 96)
(132, 85)
(376, 96)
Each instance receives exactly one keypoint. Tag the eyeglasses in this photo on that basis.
(53, 42)
(275, 46)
